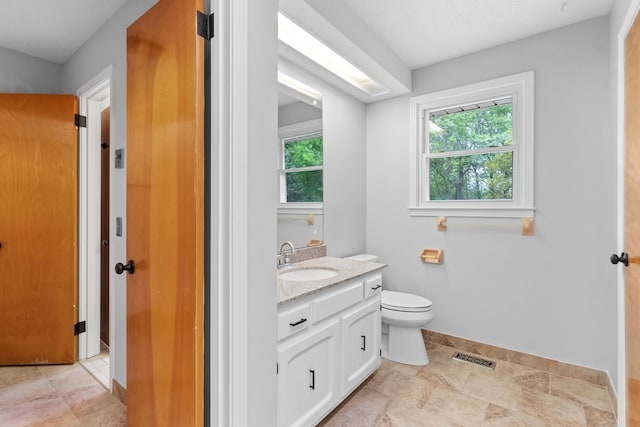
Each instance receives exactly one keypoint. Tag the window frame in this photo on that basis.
(520, 87)
(302, 129)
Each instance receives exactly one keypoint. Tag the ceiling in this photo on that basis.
(52, 29)
(385, 38)
(424, 32)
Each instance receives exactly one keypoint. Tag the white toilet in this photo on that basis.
(403, 316)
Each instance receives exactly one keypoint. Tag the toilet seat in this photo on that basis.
(401, 301)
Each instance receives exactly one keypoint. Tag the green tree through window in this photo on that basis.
(303, 169)
(455, 171)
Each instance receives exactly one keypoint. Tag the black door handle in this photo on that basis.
(105, 243)
(623, 258)
(129, 267)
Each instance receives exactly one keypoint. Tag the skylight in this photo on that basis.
(300, 40)
(300, 87)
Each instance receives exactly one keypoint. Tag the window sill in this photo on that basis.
(300, 208)
(473, 212)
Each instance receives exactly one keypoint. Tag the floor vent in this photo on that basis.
(475, 360)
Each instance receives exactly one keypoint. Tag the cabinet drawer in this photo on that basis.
(373, 286)
(337, 301)
(293, 320)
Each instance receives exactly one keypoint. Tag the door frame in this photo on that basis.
(93, 97)
(632, 12)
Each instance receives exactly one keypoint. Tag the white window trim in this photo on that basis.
(297, 129)
(521, 88)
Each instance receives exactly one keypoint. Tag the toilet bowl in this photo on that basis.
(403, 316)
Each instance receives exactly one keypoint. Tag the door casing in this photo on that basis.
(93, 97)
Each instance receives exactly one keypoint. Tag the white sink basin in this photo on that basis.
(303, 274)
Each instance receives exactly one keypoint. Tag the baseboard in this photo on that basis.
(590, 375)
(613, 397)
(119, 391)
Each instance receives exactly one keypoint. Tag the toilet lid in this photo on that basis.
(401, 300)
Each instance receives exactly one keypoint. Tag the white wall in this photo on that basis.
(552, 294)
(108, 46)
(20, 73)
(344, 132)
(296, 113)
(260, 216)
(294, 227)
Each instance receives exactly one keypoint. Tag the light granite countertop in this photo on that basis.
(347, 269)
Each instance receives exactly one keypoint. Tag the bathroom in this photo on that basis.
(552, 294)
(496, 285)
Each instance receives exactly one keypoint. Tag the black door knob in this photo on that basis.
(129, 267)
(623, 258)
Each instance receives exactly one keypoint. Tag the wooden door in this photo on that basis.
(632, 221)
(165, 198)
(38, 229)
(105, 122)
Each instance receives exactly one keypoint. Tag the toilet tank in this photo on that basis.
(363, 257)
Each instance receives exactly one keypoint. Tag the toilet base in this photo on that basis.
(406, 345)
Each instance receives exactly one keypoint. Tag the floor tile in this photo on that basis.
(580, 391)
(56, 396)
(490, 390)
(448, 392)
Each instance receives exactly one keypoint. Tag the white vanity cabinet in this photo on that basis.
(325, 357)
(308, 376)
(361, 343)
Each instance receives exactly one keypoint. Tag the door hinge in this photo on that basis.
(79, 328)
(205, 25)
(80, 121)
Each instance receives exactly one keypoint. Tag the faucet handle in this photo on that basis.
(282, 261)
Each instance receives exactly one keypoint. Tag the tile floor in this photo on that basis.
(98, 366)
(56, 396)
(444, 393)
(449, 392)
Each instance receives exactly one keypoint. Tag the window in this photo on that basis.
(472, 150)
(301, 181)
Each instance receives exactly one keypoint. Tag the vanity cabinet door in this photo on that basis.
(308, 376)
(361, 343)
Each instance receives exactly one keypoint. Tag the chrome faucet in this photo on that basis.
(284, 258)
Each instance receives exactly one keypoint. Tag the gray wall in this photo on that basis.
(552, 294)
(344, 132)
(296, 113)
(108, 46)
(20, 73)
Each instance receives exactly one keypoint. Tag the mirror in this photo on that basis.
(300, 210)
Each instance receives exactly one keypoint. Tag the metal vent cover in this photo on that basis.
(475, 360)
